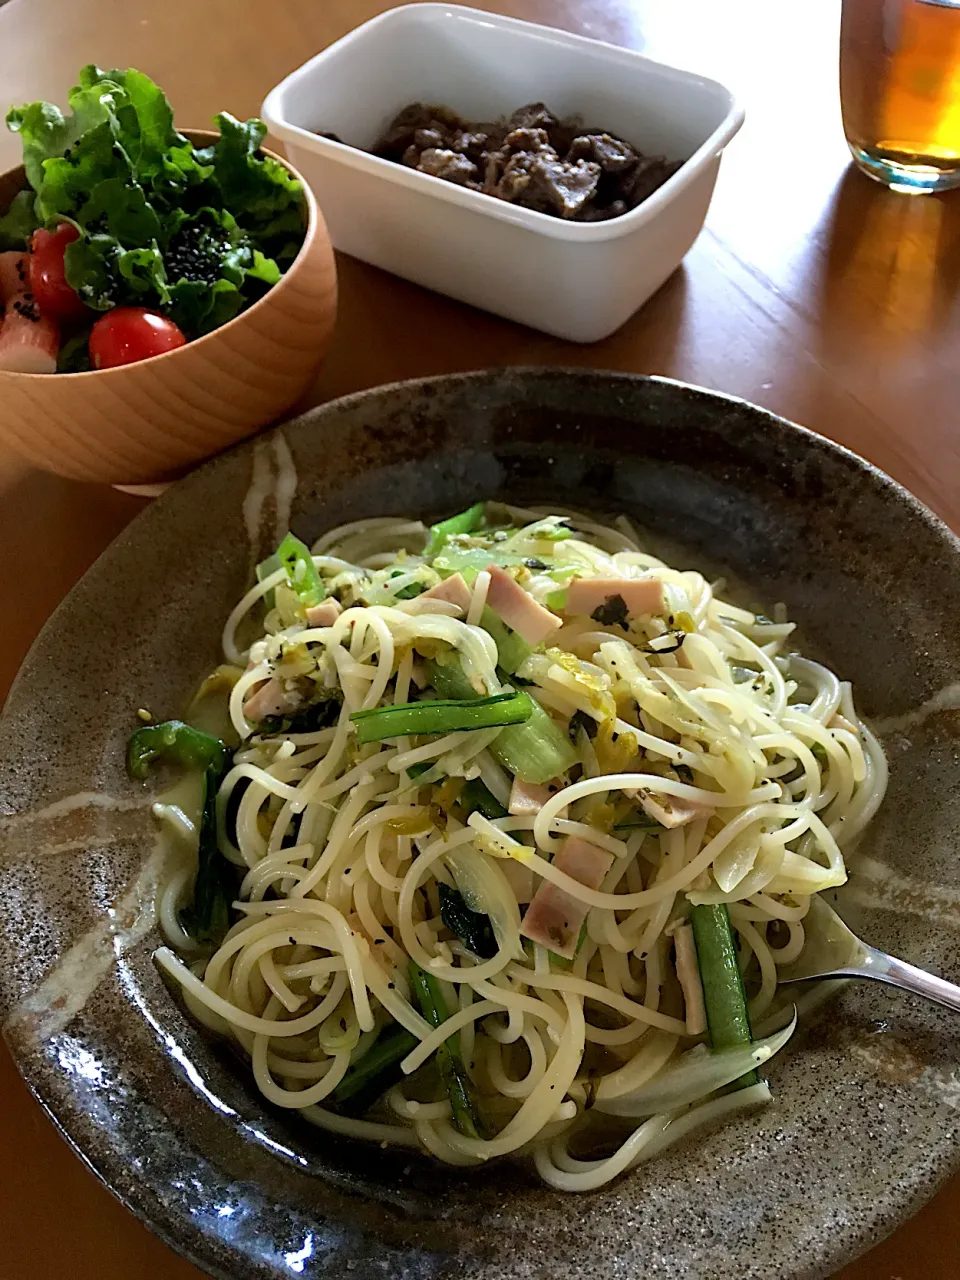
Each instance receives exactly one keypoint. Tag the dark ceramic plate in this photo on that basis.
(862, 1128)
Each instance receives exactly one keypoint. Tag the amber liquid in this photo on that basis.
(900, 85)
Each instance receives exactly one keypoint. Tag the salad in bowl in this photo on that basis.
(132, 239)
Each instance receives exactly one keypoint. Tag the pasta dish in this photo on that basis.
(502, 836)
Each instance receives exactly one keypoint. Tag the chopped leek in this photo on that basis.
(469, 561)
(433, 1006)
(302, 573)
(447, 715)
(264, 569)
(465, 522)
(535, 751)
(512, 650)
(695, 1075)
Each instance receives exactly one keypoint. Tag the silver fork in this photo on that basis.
(835, 951)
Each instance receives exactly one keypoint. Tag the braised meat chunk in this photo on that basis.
(531, 158)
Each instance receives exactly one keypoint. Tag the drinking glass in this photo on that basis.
(900, 91)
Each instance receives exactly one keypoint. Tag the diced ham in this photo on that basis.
(670, 811)
(518, 609)
(324, 614)
(29, 342)
(554, 917)
(453, 589)
(271, 699)
(13, 274)
(639, 595)
(688, 972)
(528, 798)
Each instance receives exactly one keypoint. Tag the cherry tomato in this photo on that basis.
(48, 282)
(127, 334)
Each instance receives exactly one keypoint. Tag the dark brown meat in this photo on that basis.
(611, 154)
(450, 165)
(533, 116)
(515, 179)
(470, 143)
(532, 159)
(416, 118)
(650, 173)
(548, 184)
(603, 212)
(526, 139)
(424, 138)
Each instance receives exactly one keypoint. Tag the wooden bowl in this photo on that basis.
(146, 422)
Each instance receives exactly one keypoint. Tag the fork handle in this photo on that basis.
(884, 968)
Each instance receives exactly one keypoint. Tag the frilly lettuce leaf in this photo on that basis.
(19, 222)
(198, 233)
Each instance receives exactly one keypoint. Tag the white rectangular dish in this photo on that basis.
(575, 280)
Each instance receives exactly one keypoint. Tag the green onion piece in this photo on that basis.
(511, 649)
(723, 994)
(368, 1079)
(465, 522)
(535, 751)
(415, 771)
(433, 1006)
(469, 561)
(447, 715)
(302, 573)
(264, 569)
(477, 798)
(640, 822)
(177, 743)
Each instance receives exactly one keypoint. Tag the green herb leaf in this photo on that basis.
(473, 928)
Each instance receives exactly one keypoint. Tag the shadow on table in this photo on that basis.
(891, 262)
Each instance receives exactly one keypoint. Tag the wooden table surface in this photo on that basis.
(812, 291)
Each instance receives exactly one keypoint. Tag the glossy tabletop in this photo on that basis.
(811, 291)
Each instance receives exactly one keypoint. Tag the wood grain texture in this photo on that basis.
(812, 291)
(148, 421)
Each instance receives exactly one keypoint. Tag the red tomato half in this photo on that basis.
(127, 334)
(48, 282)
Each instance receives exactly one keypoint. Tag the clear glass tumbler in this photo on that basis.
(900, 91)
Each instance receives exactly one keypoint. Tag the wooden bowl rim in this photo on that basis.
(202, 137)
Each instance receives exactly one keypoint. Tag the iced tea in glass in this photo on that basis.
(900, 90)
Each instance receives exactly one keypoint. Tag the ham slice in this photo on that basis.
(29, 341)
(453, 589)
(639, 595)
(324, 614)
(554, 917)
(13, 274)
(271, 699)
(518, 609)
(528, 798)
(670, 811)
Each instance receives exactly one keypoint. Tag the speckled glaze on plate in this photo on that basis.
(863, 1126)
